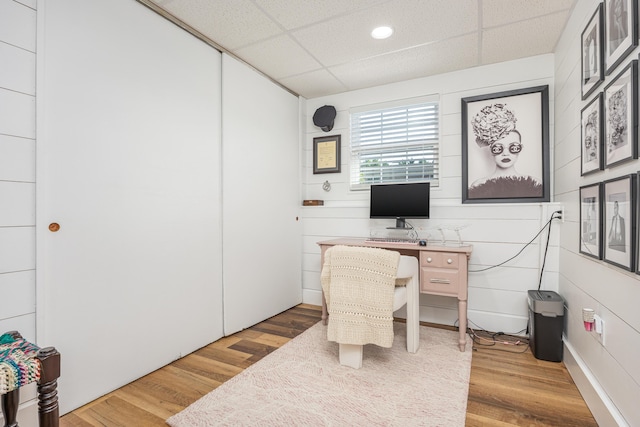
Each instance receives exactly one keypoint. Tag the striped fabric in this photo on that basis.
(18, 364)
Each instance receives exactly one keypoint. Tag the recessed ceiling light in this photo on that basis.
(381, 32)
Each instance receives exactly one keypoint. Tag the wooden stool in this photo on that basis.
(22, 363)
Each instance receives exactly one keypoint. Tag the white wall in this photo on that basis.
(17, 166)
(498, 297)
(17, 176)
(608, 376)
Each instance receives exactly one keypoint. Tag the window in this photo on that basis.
(396, 142)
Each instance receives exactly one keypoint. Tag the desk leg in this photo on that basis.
(462, 315)
(325, 316)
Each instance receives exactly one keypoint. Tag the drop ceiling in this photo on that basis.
(323, 47)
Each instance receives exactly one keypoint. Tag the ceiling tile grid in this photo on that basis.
(447, 55)
(526, 38)
(321, 47)
(296, 14)
(279, 57)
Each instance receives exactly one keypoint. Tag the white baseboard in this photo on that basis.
(311, 296)
(602, 408)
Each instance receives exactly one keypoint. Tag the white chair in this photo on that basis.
(351, 355)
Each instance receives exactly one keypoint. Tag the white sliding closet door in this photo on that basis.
(261, 197)
(128, 165)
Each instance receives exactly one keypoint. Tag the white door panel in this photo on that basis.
(128, 164)
(261, 198)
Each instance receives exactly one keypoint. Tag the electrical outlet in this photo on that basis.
(562, 214)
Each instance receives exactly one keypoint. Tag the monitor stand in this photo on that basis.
(401, 224)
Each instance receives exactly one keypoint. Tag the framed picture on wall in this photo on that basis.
(620, 111)
(621, 31)
(619, 215)
(592, 137)
(592, 61)
(635, 207)
(326, 154)
(590, 220)
(505, 147)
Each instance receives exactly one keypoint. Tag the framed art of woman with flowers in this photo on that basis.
(620, 107)
(505, 147)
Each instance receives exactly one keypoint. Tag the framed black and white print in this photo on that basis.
(621, 31)
(620, 113)
(590, 220)
(637, 238)
(505, 147)
(592, 60)
(619, 215)
(592, 136)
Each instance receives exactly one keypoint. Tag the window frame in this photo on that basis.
(406, 103)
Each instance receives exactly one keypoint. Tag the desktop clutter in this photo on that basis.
(441, 235)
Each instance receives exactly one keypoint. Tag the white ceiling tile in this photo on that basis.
(321, 47)
(296, 14)
(348, 38)
(230, 24)
(278, 57)
(526, 38)
(500, 12)
(436, 58)
(314, 84)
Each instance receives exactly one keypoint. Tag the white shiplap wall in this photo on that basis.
(608, 375)
(17, 177)
(498, 297)
(17, 166)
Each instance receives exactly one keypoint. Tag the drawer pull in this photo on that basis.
(429, 259)
(441, 281)
(449, 261)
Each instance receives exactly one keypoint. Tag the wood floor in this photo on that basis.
(506, 388)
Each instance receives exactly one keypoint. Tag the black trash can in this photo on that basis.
(546, 324)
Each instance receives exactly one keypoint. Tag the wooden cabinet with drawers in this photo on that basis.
(441, 273)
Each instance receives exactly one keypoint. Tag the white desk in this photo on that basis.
(443, 271)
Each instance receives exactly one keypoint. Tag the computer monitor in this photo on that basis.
(400, 201)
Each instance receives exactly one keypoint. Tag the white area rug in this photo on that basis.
(303, 384)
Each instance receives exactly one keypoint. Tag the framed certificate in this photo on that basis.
(326, 154)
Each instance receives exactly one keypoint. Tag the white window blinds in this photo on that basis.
(398, 143)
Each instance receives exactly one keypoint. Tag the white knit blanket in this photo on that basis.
(358, 285)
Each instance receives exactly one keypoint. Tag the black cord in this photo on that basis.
(548, 224)
(493, 338)
(544, 259)
(509, 334)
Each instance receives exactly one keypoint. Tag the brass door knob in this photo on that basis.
(54, 226)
